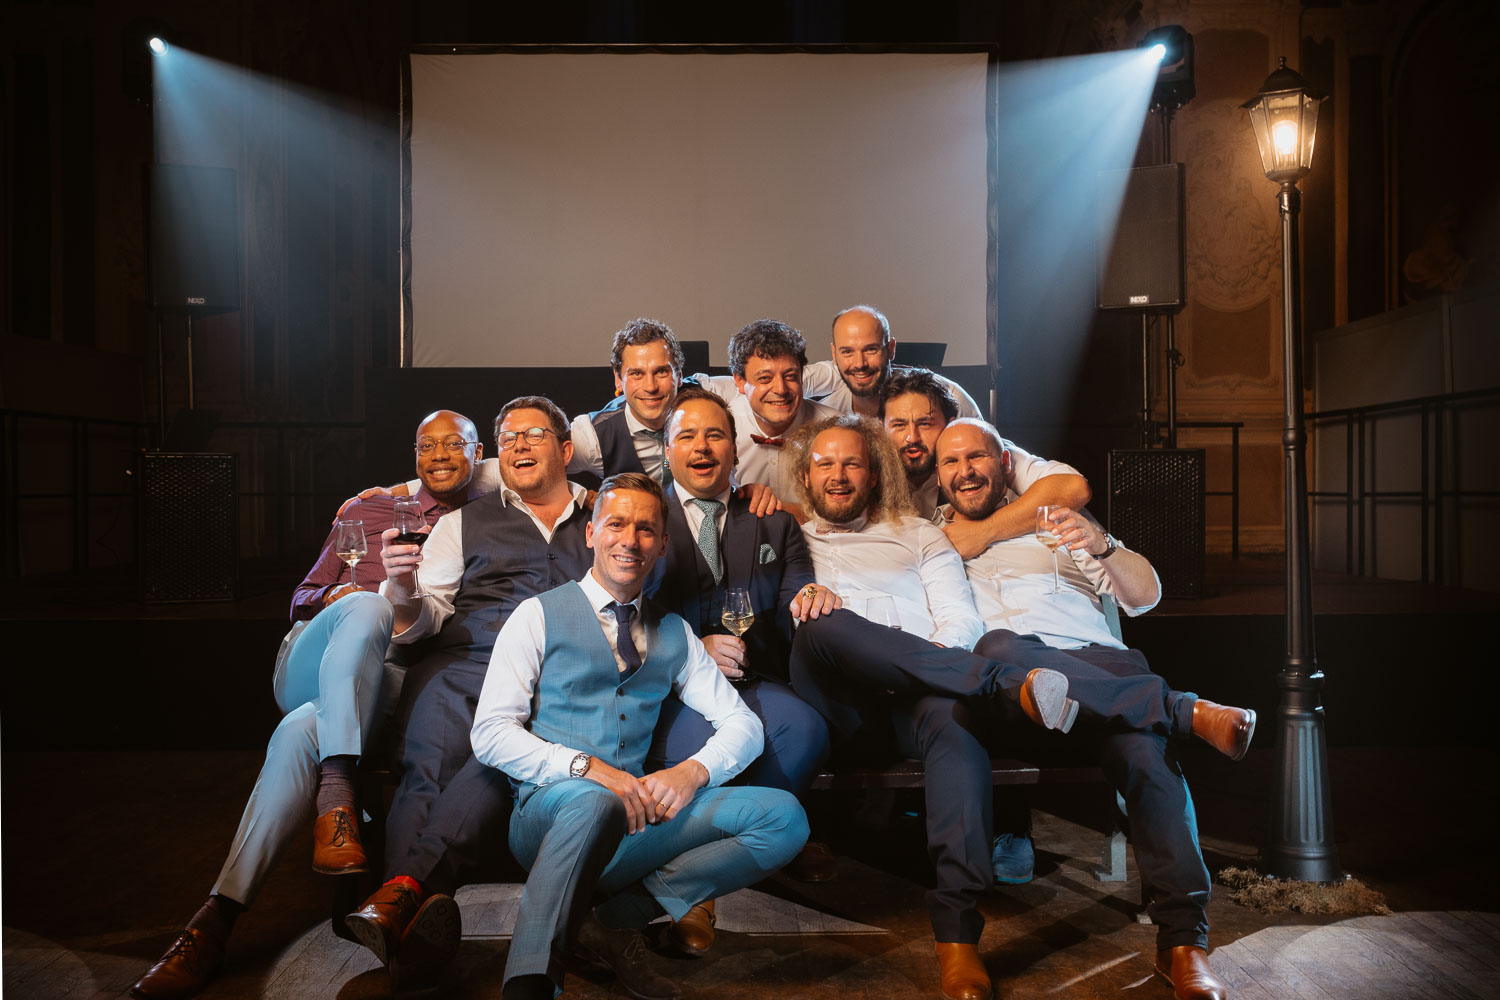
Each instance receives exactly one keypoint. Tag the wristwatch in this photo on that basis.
(1112, 547)
(580, 765)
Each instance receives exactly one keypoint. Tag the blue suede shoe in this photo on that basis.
(1012, 859)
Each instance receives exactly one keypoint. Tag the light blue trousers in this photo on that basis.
(333, 687)
(571, 835)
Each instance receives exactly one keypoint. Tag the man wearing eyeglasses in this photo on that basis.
(334, 684)
(476, 567)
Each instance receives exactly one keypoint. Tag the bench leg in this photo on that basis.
(1112, 867)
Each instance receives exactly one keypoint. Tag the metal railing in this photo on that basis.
(1438, 461)
(1233, 493)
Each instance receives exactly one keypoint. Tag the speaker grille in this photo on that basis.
(1141, 259)
(189, 527)
(1156, 507)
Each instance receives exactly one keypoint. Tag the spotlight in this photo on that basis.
(1174, 82)
(1159, 51)
(157, 45)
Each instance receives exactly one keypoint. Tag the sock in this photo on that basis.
(217, 916)
(409, 882)
(336, 783)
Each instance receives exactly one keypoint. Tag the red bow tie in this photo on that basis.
(773, 442)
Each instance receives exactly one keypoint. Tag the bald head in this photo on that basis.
(973, 467)
(452, 447)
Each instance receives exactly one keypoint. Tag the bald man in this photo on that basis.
(334, 683)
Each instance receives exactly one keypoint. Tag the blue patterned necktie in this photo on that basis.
(708, 536)
(666, 472)
(624, 644)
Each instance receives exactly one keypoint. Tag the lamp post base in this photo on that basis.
(1301, 835)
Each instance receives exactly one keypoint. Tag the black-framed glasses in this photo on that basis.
(534, 436)
(426, 446)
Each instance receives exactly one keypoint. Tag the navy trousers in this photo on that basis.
(449, 806)
(796, 737)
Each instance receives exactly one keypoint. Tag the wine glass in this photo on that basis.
(882, 611)
(349, 544)
(1046, 533)
(410, 523)
(738, 614)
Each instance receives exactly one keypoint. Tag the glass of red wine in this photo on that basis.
(412, 527)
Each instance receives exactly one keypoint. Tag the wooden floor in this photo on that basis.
(106, 855)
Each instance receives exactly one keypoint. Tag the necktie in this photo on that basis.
(623, 642)
(708, 536)
(773, 442)
(660, 437)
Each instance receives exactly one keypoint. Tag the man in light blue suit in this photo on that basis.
(569, 704)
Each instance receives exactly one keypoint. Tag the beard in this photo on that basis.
(918, 471)
(977, 506)
(875, 386)
(843, 511)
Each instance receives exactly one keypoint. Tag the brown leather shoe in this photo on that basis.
(1044, 699)
(185, 969)
(962, 973)
(1226, 729)
(384, 917)
(694, 933)
(814, 863)
(336, 846)
(1186, 968)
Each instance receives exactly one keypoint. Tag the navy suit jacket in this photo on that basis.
(766, 555)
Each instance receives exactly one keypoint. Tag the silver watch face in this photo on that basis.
(580, 765)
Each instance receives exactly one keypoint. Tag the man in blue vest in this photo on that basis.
(573, 693)
(717, 543)
(518, 542)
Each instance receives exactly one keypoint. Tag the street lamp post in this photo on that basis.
(1285, 117)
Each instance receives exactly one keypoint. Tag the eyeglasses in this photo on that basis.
(427, 446)
(534, 436)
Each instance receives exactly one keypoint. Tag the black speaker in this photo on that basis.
(195, 251)
(1156, 507)
(1141, 261)
(188, 531)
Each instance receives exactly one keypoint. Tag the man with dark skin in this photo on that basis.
(334, 684)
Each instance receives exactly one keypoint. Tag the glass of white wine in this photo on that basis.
(349, 543)
(1046, 533)
(738, 613)
(882, 611)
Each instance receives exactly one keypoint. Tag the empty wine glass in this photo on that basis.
(1046, 533)
(882, 611)
(409, 521)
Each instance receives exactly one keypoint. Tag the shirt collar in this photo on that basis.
(685, 498)
(636, 427)
(598, 597)
(431, 503)
(509, 496)
(855, 526)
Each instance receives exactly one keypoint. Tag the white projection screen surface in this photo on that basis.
(555, 196)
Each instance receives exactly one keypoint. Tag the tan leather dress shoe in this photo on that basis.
(336, 846)
(383, 919)
(694, 933)
(1186, 968)
(1223, 727)
(1044, 699)
(962, 973)
(184, 970)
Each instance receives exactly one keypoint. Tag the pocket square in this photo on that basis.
(767, 554)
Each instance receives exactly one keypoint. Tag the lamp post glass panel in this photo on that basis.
(1284, 115)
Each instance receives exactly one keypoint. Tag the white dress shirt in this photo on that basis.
(822, 381)
(587, 456)
(1012, 583)
(502, 740)
(910, 561)
(694, 513)
(442, 567)
(761, 463)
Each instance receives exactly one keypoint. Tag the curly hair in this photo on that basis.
(922, 382)
(890, 497)
(645, 331)
(765, 338)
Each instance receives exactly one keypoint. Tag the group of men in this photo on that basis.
(560, 675)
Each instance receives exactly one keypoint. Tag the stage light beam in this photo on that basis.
(157, 45)
(1159, 51)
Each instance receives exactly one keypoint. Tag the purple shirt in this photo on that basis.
(330, 571)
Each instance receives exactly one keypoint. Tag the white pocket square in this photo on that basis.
(767, 554)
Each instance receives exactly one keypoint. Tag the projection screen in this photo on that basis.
(552, 196)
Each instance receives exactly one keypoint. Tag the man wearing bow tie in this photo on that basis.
(767, 358)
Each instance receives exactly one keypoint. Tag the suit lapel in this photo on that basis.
(738, 544)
